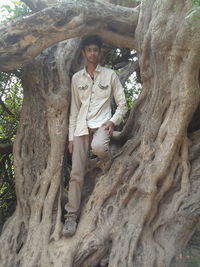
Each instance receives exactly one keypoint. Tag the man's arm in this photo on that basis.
(109, 127)
(74, 110)
(70, 146)
(120, 100)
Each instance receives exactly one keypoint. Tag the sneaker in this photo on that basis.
(70, 225)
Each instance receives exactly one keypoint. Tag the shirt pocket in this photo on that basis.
(83, 91)
(103, 90)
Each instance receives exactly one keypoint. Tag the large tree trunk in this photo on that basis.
(144, 210)
(39, 149)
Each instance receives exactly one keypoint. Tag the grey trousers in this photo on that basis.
(99, 140)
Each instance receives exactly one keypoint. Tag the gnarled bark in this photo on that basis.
(38, 150)
(144, 209)
(37, 5)
(25, 38)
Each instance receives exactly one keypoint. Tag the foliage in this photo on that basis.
(7, 190)
(193, 250)
(10, 101)
(132, 90)
(117, 58)
(10, 105)
(196, 2)
(15, 9)
(194, 12)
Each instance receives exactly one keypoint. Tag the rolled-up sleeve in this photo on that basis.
(74, 109)
(120, 100)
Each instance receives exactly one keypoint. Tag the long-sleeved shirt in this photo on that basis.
(91, 100)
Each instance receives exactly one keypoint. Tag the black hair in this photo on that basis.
(91, 40)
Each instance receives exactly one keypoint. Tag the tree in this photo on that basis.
(10, 103)
(145, 209)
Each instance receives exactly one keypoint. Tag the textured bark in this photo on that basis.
(144, 210)
(39, 149)
(127, 3)
(25, 38)
(38, 5)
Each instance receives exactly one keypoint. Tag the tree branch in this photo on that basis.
(126, 71)
(127, 3)
(25, 38)
(5, 108)
(37, 5)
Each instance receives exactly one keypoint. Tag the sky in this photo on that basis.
(4, 2)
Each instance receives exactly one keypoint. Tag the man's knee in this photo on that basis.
(99, 149)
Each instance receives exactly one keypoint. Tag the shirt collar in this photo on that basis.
(98, 69)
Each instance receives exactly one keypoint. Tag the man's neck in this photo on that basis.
(91, 68)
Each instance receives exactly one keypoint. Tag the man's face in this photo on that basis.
(92, 53)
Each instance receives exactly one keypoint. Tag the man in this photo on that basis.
(91, 122)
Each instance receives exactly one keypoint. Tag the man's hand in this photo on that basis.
(70, 146)
(108, 126)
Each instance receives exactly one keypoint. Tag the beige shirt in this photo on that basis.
(91, 100)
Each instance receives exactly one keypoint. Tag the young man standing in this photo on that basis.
(91, 122)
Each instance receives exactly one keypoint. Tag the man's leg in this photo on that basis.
(79, 162)
(100, 147)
